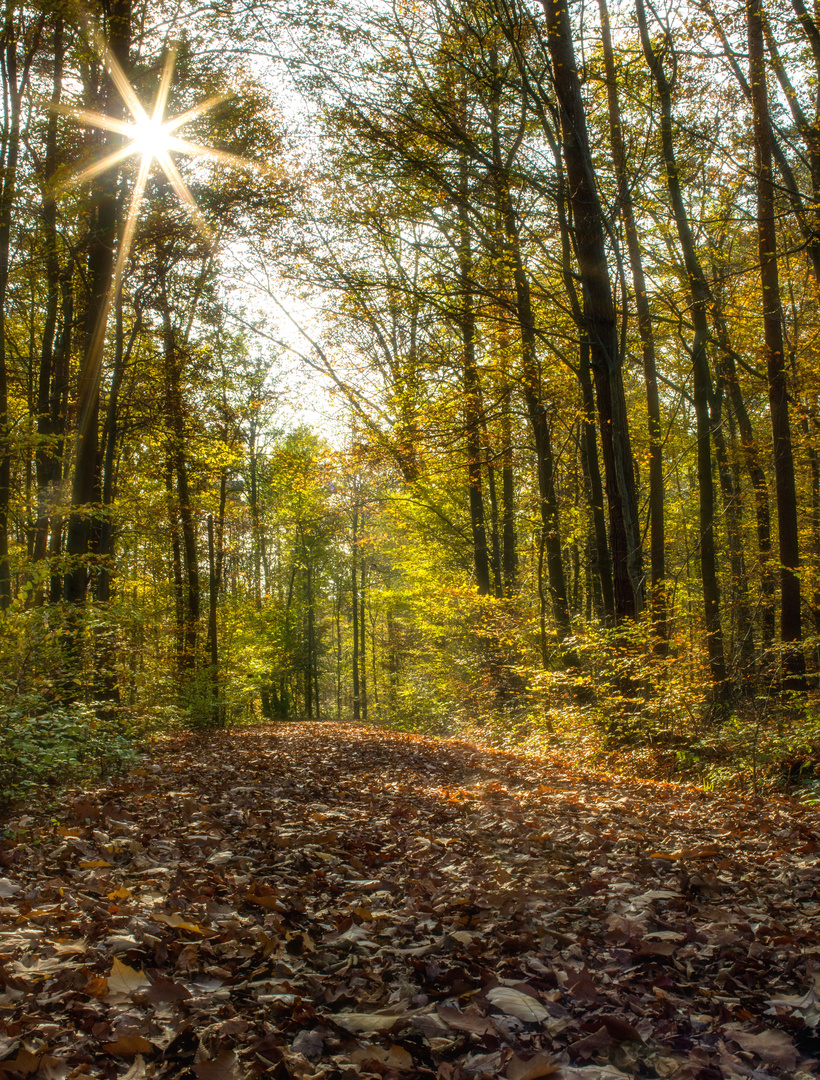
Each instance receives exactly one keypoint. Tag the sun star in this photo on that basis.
(150, 137)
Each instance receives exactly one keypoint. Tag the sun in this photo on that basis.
(151, 139)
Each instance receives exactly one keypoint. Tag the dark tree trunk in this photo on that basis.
(49, 426)
(186, 514)
(790, 614)
(645, 331)
(100, 274)
(354, 603)
(362, 630)
(700, 301)
(472, 411)
(760, 488)
(603, 562)
(599, 317)
(176, 565)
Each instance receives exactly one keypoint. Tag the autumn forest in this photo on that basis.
(450, 367)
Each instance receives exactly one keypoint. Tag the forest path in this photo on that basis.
(320, 900)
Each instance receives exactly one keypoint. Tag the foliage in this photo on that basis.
(45, 746)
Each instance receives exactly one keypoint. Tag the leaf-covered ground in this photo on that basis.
(320, 900)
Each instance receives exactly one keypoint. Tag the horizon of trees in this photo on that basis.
(565, 264)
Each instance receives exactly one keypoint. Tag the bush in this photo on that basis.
(44, 745)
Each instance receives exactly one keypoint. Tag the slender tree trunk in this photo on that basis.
(740, 608)
(603, 562)
(509, 557)
(15, 76)
(700, 302)
(186, 514)
(472, 415)
(354, 603)
(362, 628)
(757, 478)
(646, 334)
(176, 565)
(100, 274)
(790, 614)
(600, 319)
(47, 460)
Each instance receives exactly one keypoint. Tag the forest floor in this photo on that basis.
(325, 901)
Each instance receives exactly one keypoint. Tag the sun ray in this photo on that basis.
(101, 166)
(182, 192)
(130, 227)
(95, 119)
(186, 117)
(197, 150)
(120, 80)
(164, 86)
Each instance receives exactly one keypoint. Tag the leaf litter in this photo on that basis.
(320, 901)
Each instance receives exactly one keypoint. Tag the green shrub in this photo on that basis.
(44, 745)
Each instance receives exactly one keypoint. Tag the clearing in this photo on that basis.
(320, 900)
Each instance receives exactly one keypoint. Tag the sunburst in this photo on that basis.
(151, 137)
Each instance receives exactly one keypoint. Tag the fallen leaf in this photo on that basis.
(178, 923)
(223, 1067)
(8, 888)
(521, 1067)
(123, 979)
(514, 1003)
(128, 1046)
(368, 1021)
(394, 1057)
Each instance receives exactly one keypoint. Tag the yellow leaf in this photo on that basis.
(126, 980)
(179, 923)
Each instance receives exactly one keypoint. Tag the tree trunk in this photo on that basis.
(472, 413)
(100, 274)
(700, 301)
(790, 614)
(354, 603)
(599, 318)
(646, 334)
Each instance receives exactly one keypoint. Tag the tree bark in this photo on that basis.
(599, 317)
(657, 546)
(700, 300)
(100, 273)
(790, 614)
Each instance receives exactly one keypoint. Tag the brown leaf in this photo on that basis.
(128, 1046)
(368, 1021)
(520, 1067)
(470, 1020)
(223, 1067)
(619, 1029)
(771, 1046)
(24, 1064)
(395, 1057)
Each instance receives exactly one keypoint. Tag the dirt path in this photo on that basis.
(326, 901)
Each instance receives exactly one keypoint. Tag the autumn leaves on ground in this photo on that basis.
(326, 901)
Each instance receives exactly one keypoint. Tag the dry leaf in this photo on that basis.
(368, 1021)
(178, 923)
(513, 1003)
(123, 979)
(530, 1068)
(128, 1046)
(223, 1067)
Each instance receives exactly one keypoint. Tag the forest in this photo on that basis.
(448, 367)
